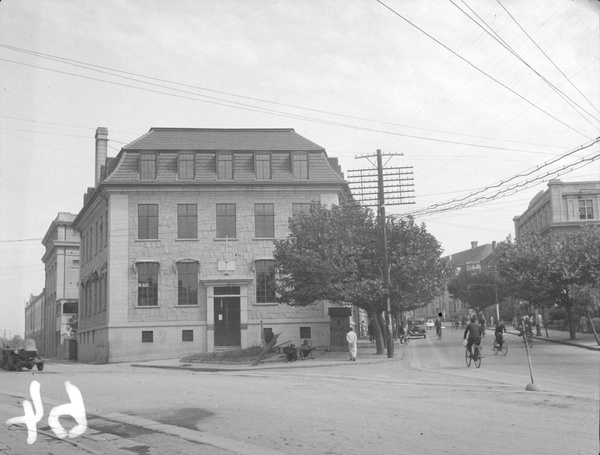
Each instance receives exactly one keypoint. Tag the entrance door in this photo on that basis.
(227, 321)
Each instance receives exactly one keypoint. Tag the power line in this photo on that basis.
(242, 106)
(549, 59)
(504, 44)
(480, 70)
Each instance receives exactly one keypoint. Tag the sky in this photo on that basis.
(484, 101)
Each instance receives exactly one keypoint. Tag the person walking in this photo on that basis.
(352, 346)
(370, 330)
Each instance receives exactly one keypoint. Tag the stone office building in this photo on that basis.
(177, 241)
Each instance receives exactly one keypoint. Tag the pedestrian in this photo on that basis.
(352, 347)
(370, 330)
(583, 323)
(538, 325)
(363, 329)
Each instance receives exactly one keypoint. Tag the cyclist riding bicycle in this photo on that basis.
(474, 335)
(499, 333)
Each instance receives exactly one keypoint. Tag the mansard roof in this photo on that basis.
(206, 143)
(211, 139)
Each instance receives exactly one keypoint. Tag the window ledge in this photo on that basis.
(266, 304)
(222, 239)
(263, 238)
(195, 239)
(195, 305)
(147, 240)
(147, 306)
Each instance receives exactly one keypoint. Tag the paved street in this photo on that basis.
(425, 400)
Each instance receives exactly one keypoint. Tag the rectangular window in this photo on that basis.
(106, 230)
(586, 209)
(187, 221)
(187, 335)
(225, 166)
(148, 166)
(297, 209)
(148, 221)
(186, 166)
(101, 234)
(147, 336)
(264, 221)
(226, 221)
(304, 332)
(262, 166)
(147, 273)
(187, 283)
(265, 281)
(300, 165)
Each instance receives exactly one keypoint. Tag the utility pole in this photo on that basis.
(364, 184)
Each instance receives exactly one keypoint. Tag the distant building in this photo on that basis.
(177, 241)
(562, 207)
(34, 317)
(61, 264)
(473, 261)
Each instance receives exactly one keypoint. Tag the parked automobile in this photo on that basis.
(16, 359)
(417, 329)
(429, 324)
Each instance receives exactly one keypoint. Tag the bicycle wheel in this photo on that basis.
(467, 357)
(504, 348)
(495, 348)
(477, 357)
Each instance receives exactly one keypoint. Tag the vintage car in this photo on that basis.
(417, 329)
(16, 359)
(430, 324)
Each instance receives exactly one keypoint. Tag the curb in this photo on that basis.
(566, 343)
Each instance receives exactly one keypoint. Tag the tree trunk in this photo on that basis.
(377, 332)
(587, 312)
(384, 330)
(571, 322)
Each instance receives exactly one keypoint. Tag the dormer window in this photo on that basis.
(225, 166)
(148, 166)
(186, 166)
(262, 166)
(300, 165)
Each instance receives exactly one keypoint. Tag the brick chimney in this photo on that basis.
(101, 151)
(473, 245)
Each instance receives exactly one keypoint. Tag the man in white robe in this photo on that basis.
(351, 338)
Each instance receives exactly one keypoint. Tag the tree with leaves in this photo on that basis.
(547, 270)
(334, 254)
(477, 291)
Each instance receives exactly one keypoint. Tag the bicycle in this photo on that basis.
(475, 357)
(405, 338)
(503, 348)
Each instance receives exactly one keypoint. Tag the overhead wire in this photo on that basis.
(481, 71)
(494, 35)
(548, 57)
(243, 106)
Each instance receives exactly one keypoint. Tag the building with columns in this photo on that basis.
(177, 240)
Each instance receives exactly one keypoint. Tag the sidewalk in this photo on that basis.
(583, 340)
(321, 358)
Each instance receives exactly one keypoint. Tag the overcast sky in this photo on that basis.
(474, 99)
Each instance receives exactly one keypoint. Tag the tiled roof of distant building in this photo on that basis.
(206, 143)
(223, 139)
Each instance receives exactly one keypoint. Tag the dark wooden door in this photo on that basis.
(227, 321)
